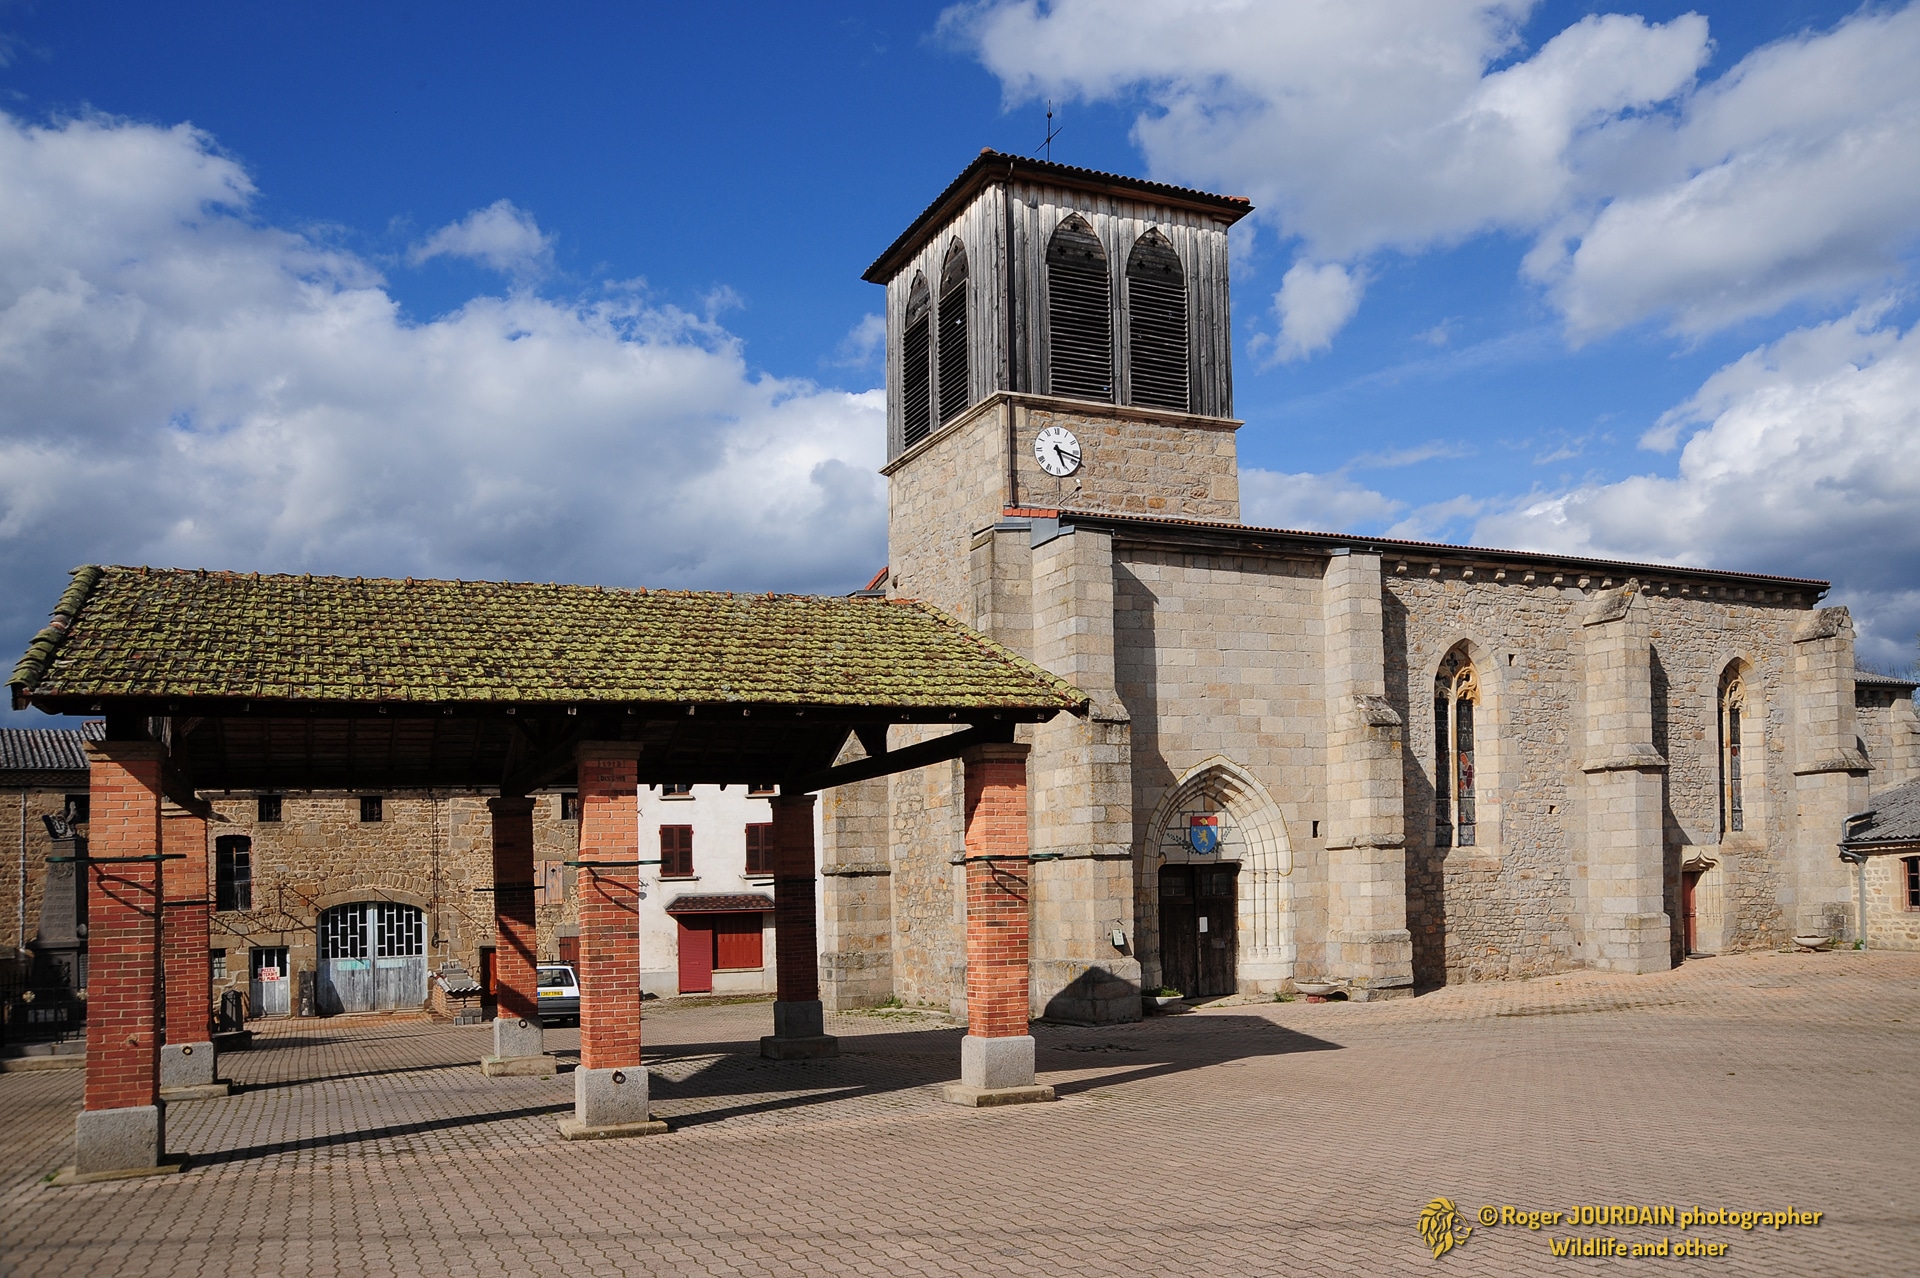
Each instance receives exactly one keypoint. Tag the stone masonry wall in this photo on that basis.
(956, 483)
(1890, 731)
(40, 800)
(1891, 923)
(1132, 463)
(1223, 655)
(1505, 907)
(927, 831)
(428, 852)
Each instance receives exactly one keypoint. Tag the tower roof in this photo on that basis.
(992, 166)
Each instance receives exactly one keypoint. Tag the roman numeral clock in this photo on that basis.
(1057, 451)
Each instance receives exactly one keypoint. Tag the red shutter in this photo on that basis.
(760, 848)
(736, 940)
(676, 851)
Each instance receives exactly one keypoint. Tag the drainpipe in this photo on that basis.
(1858, 860)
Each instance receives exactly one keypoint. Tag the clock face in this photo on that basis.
(1057, 451)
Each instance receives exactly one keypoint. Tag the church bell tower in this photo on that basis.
(1057, 339)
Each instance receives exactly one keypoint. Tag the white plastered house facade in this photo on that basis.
(1308, 757)
(706, 910)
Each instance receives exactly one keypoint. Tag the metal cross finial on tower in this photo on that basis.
(1052, 133)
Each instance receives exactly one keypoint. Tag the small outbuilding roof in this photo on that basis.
(1874, 679)
(48, 749)
(1894, 821)
(721, 903)
(172, 634)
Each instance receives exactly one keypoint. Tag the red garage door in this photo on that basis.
(723, 941)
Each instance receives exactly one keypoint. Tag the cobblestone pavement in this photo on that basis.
(1240, 1139)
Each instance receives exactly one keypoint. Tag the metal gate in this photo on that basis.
(269, 982)
(373, 957)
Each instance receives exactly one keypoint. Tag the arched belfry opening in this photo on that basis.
(1156, 325)
(1079, 313)
(954, 358)
(1218, 886)
(916, 366)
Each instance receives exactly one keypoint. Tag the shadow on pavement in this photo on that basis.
(266, 1150)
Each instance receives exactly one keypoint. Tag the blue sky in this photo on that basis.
(573, 291)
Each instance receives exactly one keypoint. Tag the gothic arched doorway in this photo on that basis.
(1220, 899)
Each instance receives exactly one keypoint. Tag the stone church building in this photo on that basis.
(1310, 757)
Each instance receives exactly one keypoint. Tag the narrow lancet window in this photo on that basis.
(1733, 704)
(1156, 325)
(954, 389)
(916, 369)
(1455, 694)
(1079, 313)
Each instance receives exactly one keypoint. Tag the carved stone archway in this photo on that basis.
(1253, 834)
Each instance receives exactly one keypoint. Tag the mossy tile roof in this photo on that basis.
(173, 633)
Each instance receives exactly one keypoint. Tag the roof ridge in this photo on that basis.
(1407, 549)
(33, 663)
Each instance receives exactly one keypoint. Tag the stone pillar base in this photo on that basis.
(799, 1032)
(987, 1097)
(517, 1036)
(119, 1142)
(190, 1071)
(992, 1064)
(609, 1103)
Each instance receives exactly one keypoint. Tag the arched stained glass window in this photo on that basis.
(1079, 313)
(954, 388)
(1156, 324)
(916, 369)
(1455, 693)
(1733, 705)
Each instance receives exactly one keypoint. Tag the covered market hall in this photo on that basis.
(213, 681)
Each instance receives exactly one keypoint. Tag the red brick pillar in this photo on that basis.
(518, 1045)
(610, 1088)
(188, 1065)
(799, 1022)
(123, 1127)
(185, 926)
(996, 1056)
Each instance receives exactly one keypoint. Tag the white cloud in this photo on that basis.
(502, 237)
(863, 344)
(185, 386)
(1324, 503)
(1415, 124)
(1314, 303)
(1805, 461)
(1796, 175)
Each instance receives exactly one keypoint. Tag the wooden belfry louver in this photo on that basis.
(916, 368)
(953, 334)
(1156, 325)
(1079, 313)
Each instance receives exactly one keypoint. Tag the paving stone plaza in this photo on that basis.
(1244, 1138)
